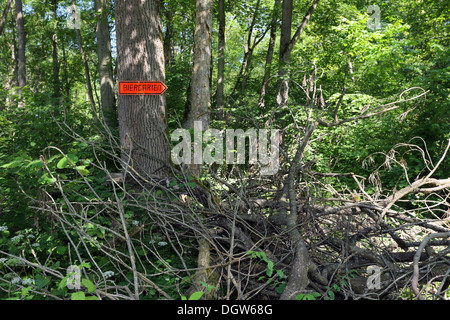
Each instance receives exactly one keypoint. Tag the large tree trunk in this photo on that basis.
(140, 56)
(105, 68)
(21, 44)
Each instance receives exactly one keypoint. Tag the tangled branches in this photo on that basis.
(245, 236)
(250, 245)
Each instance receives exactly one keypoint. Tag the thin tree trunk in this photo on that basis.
(21, 44)
(55, 62)
(221, 61)
(284, 55)
(66, 80)
(168, 37)
(302, 263)
(105, 68)
(287, 44)
(269, 56)
(200, 108)
(4, 15)
(14, 54)
(298, 275)
(245, 66)
(248, 63)
(143, 127)
(89, 94)
(350, 70)
(201, 66)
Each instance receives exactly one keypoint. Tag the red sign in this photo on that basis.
(141, 87)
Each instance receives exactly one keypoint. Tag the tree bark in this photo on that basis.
(143, 128)
(287, 44)
(221, 61)
(55, 62)
(298, 275)
(14, 54)
(269, 55)
(198, 108)
(5, 14)
(89, 93)
(168, 36)
(284, 55)
(105, 68)
(249, 50)
(21, 44)
(201, 66)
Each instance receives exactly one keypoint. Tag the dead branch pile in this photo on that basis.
(262, 237)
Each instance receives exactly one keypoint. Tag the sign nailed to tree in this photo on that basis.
(141, 87)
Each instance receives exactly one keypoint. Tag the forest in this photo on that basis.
(224, 150)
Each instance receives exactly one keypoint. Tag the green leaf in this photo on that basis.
(35, 164)
(207, 286)
(173, 184)
(300, 296)
(280, 288)
(62, 163)
(89, 285)
(269, 270)
(41, 281)
(46, 179)
(63, 282)
(83, 170)
(13, 164)
(196, 295)
(66, 160)
(331, 294)
(92, 298)
(61, 249)
(78, 296)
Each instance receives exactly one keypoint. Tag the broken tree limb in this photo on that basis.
(415, 186)
(415, 278)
